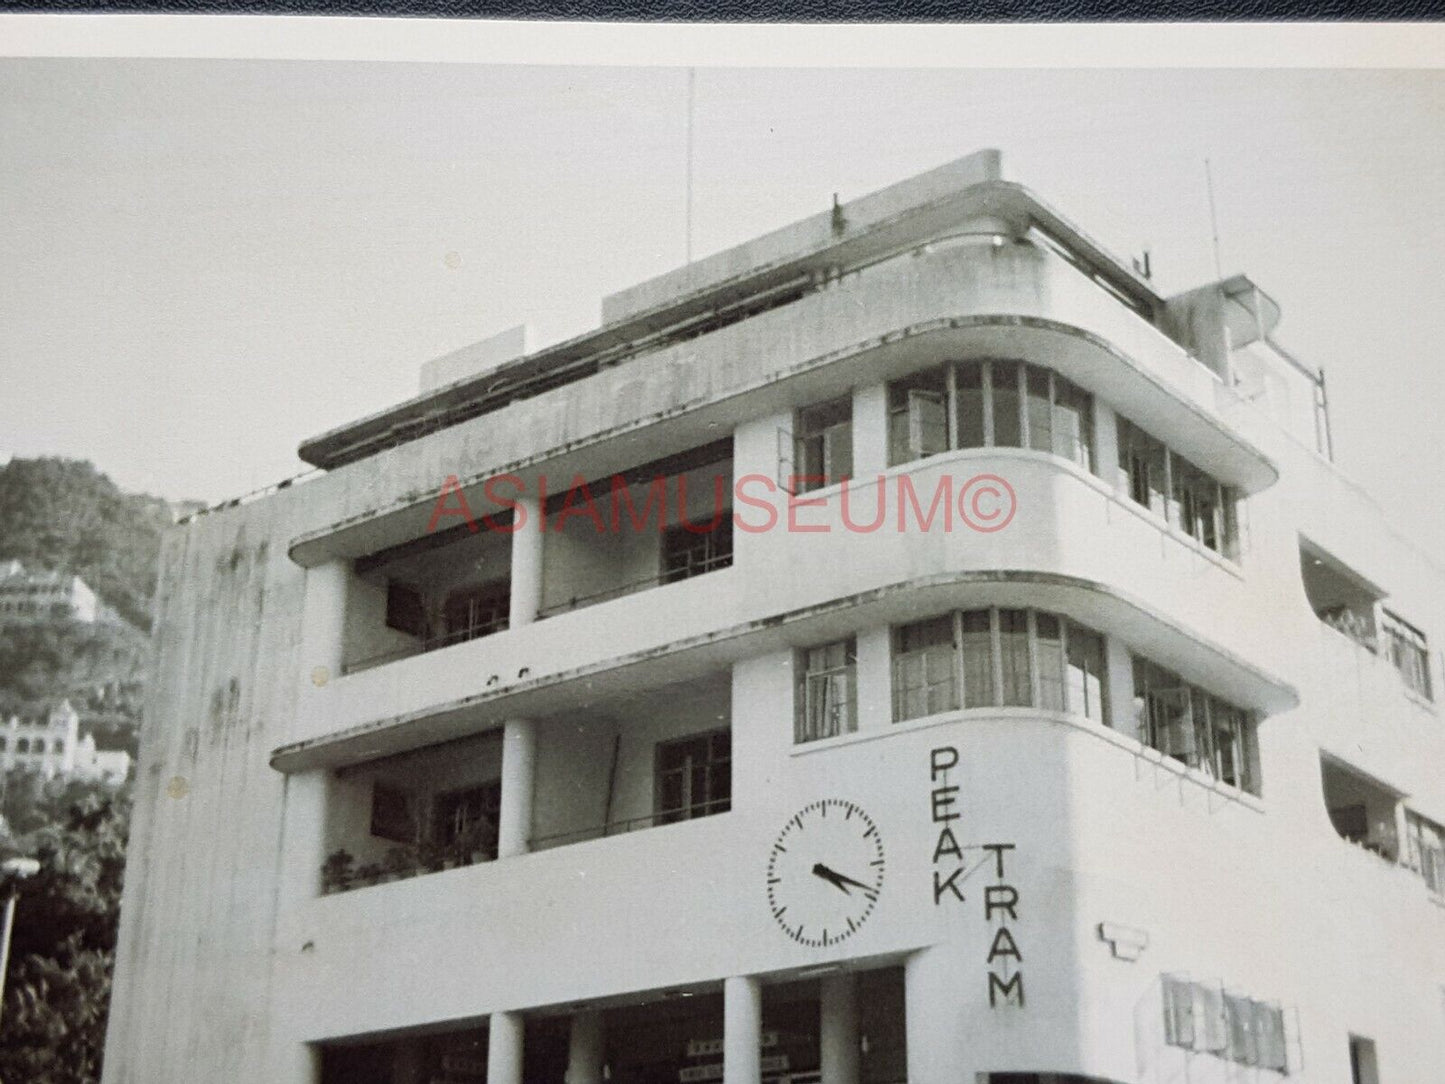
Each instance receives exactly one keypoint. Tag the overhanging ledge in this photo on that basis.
(1099, 605)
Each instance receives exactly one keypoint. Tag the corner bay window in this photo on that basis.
(1193, 727)
(997, 658)
(828, 700)
(1177, 491)
(979, 404)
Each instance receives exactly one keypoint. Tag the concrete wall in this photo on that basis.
(221, 912)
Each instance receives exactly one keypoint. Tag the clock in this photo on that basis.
(825, 872)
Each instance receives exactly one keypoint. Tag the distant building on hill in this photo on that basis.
(34, 598)
(53, 747)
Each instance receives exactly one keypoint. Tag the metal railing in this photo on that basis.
(430, 643)
(634, 824)
(632, 587)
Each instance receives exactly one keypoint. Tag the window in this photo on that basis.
(1003, 657)
(405, 609)
(825, 444)
(1193, 727)
(1086, 673)
(1405, 648)
(476, 610)
(829, 702)
(687, 553)
(693, 777)
(22, 745)
(1425, 850)
(976, 404)
(1176, 490)
(1340, 597)
(470, 814)
(917, 417)
(39, 745)
(392, 815)
(1013, 640)
(1202, 1017)
(1361, 810)
(925, 679)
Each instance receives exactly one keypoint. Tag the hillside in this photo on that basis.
(63, 514)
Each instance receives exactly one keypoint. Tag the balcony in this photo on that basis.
(652, 758)
(430, 593)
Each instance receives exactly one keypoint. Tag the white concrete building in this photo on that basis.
(54, 747)
(31, 598)
(1127, 767)
(46, 746)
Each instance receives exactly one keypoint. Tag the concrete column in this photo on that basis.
(870, 431)
(1106, 444)
(932, 997)
(742, 1030)
(303, 840)
(838, 1029)
(875, 678)
(504, 1048)
(323, 623)
(585, 1049)
(1119, 687)
(519, 766)
(526, 581)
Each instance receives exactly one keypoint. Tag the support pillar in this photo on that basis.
(1119, 687)
(519, 765)
(838, 1029)
(870, 437)
(875, 677)
(742, 1030)
(303, 839)
(933, 1017)
(504, 1048)
(323, 623)
(526, 574)
(585, 1049)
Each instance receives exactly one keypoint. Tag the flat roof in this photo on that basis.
(643, 316)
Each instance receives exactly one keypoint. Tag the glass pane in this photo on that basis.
(1041, 427)
(977, 660)
(1050, 652)
(1014, 646)
(1086, 673)
(969, 382)
(1007, 428)
(1073, 435)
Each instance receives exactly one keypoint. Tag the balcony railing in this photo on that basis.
(470, 631)
(633, 824)
(577, 602)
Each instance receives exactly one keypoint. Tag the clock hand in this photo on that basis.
(836, 879)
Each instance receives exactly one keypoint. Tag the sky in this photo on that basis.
(207, 262)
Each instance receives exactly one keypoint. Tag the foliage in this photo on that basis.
(52, 1029)
(42, 664)
(63, 514)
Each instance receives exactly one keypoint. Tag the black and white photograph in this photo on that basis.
(873, 555)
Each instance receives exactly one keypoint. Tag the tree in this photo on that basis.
(53, 1026)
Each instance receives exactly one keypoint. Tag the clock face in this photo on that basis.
(825, 872)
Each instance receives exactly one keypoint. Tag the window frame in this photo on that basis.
(994, 376)
(713, 766)
(845, 720)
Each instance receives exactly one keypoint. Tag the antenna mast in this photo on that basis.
(1213, 220)
(691, 87)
